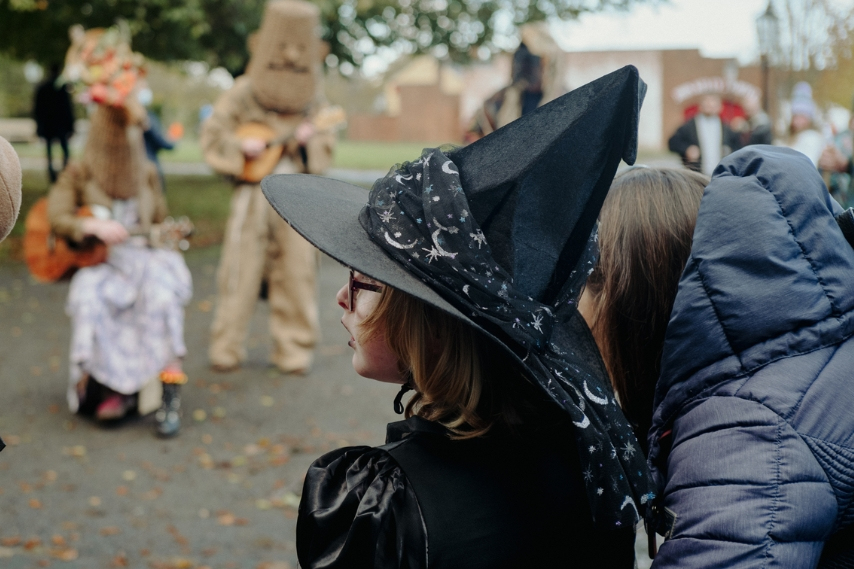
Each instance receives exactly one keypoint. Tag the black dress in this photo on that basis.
(425, 501)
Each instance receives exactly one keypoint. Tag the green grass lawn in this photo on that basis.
(185, 151)
(354, 155)
(363, 155)
(204, 199)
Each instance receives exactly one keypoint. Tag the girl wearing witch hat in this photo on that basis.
(466, 270)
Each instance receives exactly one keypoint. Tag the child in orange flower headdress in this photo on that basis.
(127, 313)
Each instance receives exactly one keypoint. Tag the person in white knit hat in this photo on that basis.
(803, 135)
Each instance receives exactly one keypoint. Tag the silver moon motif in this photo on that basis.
(397, 245)
(594, 398)
(435, 236)
(581, 403)
(629, 502)
(582, 424)
(446, 169)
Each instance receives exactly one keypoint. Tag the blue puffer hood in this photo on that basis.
(769, 277)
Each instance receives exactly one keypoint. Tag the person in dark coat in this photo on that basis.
(153, 134)
(751, 424)
(54, 116)
(466, 269)
(704, 139)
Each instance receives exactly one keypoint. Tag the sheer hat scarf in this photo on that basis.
(501, 234)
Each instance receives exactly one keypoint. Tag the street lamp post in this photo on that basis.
(768, 29)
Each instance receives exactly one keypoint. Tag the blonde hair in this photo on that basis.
(455, 385)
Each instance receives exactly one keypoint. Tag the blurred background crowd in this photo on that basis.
(401, 75)
(410, 74)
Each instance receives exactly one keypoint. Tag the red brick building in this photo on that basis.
(429, 101)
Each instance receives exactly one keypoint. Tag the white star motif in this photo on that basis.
(591, 449)
(386, 216)
(600, 491)
(436, 198)
(628, 451)
(588, 475)
(538, 322)
(397, 234)
(432, 254)
(479, 238)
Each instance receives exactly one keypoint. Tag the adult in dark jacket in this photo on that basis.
(54, 116)
(752, 438)
(704, 139)
(515, 452)
(153, 134)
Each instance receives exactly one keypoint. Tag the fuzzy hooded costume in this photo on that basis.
(280, 90)
(10, 187)
(10, 193)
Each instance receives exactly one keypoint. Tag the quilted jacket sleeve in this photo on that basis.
(745, 489)
(751, 445)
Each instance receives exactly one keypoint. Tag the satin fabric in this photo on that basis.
(358, 510)
(426, 501)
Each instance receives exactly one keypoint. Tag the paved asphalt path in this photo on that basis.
(223, 494)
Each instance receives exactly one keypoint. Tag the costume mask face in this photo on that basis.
(285, 56)
(114, 151)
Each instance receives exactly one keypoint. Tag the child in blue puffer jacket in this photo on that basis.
(752, 436)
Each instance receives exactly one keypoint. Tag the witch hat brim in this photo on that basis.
(326, 212)
(579, 137)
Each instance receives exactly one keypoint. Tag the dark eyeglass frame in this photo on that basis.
(358, 285)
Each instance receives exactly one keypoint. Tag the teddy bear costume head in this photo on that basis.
(10, 188)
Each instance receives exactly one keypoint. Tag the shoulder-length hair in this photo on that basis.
(645, 232)
(461, 379)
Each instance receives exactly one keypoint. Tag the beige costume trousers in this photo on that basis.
(259, 243)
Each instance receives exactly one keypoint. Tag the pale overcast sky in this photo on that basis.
(719, 28)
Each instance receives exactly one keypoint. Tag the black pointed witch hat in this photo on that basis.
(498, 234)
(536, 186)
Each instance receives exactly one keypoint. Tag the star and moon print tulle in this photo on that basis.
(419, 215)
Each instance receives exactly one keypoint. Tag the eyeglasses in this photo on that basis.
(358, 285)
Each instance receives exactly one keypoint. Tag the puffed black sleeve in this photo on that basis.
(359, 510)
